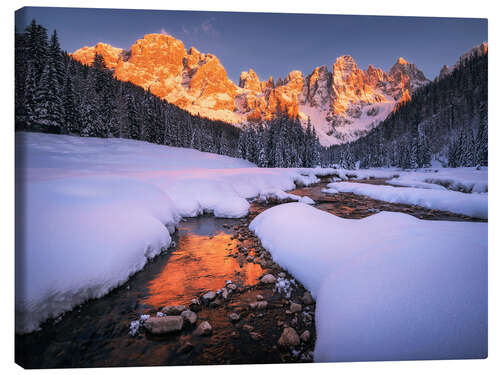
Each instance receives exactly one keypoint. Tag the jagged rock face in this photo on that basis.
(192, 80)
(110, 54)
(341, 104)
(317, 87)
(407, 76)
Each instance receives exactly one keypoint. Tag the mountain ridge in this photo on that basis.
(342, 103)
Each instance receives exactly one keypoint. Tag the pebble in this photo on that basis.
(203, 329)
(289, 337)
(295, 308)
(268, 279)
(195, 305)
(233, 317)
(209, 296)
(259, 305)
(173, 310)
(306, 336)
(189, 316)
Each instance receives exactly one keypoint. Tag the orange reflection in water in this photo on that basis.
(199, 264)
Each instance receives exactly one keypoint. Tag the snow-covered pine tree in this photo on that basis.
(48, 111)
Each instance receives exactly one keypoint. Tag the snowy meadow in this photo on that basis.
(91, 212)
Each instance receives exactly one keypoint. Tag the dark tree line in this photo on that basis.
(281, 142)
(56, 94)
(446, 119)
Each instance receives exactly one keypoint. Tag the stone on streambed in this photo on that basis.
(268, 279)
(289, 337)
(306, 336)
(189, 316)
(234, 317)
(173, 310)
(203, 329)
(164, 325)
(195, 305)
(295, 307)
(209, 296)
(259, 305)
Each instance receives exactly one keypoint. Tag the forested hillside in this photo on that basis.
(57, 94)
(446, 119)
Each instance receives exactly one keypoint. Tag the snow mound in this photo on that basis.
(91, 212)
(474, 205)
(405, 289)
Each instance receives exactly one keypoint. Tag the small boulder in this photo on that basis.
(268, 279)
(203, 329)
(173, 310)
(295, 308)
(163, 325)
(209, 296)
(289, 337)
(259, 297)
(189, 316)
(231, 286)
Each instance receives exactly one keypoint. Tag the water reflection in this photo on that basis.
(198, 264)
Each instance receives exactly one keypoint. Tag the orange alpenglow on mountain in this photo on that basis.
(341, 104)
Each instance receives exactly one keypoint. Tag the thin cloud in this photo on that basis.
(206, 27)
(165, 32)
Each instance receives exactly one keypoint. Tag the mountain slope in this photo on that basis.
(447, 119)
(342, 104)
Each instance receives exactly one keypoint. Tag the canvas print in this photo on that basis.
(199, 188)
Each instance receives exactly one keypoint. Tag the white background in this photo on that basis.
(477, 8)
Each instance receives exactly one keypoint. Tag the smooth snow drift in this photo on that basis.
(475, 205)
(91, 212)
(405, 289)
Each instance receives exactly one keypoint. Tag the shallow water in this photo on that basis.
(199, 263)
(96, 333)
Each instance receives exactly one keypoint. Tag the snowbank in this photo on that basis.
(91, 212)
(466, 179)
(475, 205)
(405, 289)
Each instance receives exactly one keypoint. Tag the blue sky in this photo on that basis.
(273, 44)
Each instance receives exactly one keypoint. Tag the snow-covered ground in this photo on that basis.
(388, 287)
(91, 211)
(465, 179)
(475, 205)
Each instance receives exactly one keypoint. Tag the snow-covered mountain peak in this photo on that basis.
(342, 104)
